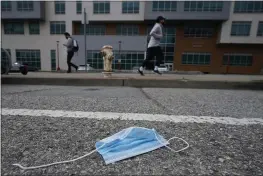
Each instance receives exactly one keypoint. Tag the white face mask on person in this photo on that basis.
(127, 143)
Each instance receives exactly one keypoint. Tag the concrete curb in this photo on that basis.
(63, 81)
(194, 84)
(133, 82)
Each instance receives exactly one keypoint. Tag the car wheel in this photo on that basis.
(24, 70)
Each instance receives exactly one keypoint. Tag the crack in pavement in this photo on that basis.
(157, 103)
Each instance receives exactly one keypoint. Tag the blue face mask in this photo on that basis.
(127, 143)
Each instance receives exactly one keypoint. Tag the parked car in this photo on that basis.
(30, 68)
(17, 67)
(83, 68)
(7, 66)
(150, 66)
(163, 69)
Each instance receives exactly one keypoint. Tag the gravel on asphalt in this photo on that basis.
(214, 149)
(195, 102)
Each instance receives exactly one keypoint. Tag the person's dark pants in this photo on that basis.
(152, 52)
(69, 57)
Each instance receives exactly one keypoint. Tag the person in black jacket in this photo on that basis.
(70, 52)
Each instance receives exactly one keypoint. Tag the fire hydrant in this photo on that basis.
(107, 55)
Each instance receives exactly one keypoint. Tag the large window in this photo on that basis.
(93, 29)
(196, 58)
(14, 27)
(128, 59)
(260, 29)
(130, 6)
(101, 7)
(240, 28)
(127, 30)
(94, 59)
(198, 32)
(235, 59)
(25, 5)
(164, 6)
(57, 27)
(203, 6)
(53, 60)
(6, 6)
(79, 7)
(30, 57)
(248, 6)
(34, 27)
(167, 43)
(60, 7)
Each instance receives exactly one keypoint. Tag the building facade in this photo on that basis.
(206, 36)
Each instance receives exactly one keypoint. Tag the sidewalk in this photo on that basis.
(208, 81)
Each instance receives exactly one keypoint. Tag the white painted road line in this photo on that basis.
(132, 116)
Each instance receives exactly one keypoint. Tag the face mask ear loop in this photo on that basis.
(61, 162)
(187, 144)
(64, 162)
(176, 151)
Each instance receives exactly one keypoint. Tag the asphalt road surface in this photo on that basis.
(46, 124)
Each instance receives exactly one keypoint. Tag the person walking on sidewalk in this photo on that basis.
(154, 49)
(70, 52)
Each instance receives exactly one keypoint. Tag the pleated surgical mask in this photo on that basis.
(127, 143)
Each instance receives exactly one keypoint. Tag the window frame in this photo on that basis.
(129, 59)
(235, 24)
(29, 61)
(134, 6)
(78, 4)
(206, 6)
(99, 29)
(25, 3)
(60, 5)
(172, 6)
(14, 28)
(61, 23)
(6, 6)
(123, 30)
(53, 52)
(206, 56)
(260, 29)
(243, 7)
(33, 23)
(232, 58)
(100, 4)
(192, 32)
